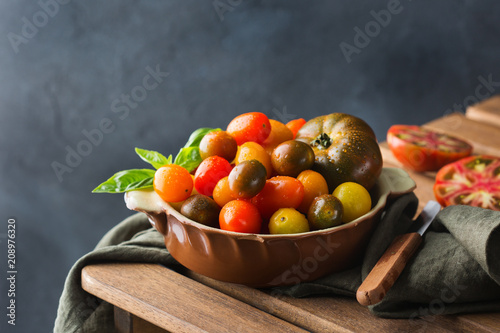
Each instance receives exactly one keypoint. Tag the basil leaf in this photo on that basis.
(127, 180)
(189, 157)
(154, 158)
(195, 137)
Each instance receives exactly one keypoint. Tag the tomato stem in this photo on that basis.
(322, 141)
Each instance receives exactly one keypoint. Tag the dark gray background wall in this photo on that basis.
(66, 70)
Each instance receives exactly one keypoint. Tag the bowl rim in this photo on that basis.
(389, 177)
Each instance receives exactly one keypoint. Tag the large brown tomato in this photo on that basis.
(345, 149)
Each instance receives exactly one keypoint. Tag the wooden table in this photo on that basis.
(153, 298)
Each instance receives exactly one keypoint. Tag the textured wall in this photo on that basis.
(84, 68)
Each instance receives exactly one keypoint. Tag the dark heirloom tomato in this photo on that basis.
(218, 143)
(473, 181)
(420, 149)
(345, 148)
(247, 179)
(325, 211)
(292, 157)
(201, 209)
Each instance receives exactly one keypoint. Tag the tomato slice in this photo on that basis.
(420, 149)
(473, 181)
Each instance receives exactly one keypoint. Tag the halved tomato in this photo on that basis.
(420, 149)
(473, 181)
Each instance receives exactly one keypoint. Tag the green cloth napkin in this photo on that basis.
(133, 240)
(456, 269)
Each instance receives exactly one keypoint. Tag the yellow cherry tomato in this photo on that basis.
(279, 133)
(354, 198)
(222, 195)
(288, 221)
(254, 151)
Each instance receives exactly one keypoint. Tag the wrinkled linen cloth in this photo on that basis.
(455, 270)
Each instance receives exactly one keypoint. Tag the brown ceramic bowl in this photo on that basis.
(260, 260)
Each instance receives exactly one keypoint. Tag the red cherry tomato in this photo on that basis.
(295, 125)
(252, 126)
(473, 181)
(420, 149)
(279, 192)
(240, 216)
(209, 172)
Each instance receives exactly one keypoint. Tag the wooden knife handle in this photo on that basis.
(388, 269)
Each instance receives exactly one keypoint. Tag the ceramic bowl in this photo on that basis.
(260, 260)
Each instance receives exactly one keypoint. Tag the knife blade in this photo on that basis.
(393, 261)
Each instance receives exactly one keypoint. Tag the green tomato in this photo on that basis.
(288, 221)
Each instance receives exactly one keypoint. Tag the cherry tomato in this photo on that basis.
(240, 216)
(314, 186)
(218, 143)
(254, 151)
(279, 133)
(292, 157)
(473, 181)
(288, 221)
(252, 126)
(326, 211)
(222, 195)
(173, 183)
(201, 209)
(295, 125)
(177, 205)
(355, 200)
(279, 192)
(420, 149)
(209, 172)
(247, 179)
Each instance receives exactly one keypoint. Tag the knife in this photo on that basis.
(393, 261)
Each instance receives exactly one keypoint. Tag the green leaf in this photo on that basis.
(127, 180)
(154, 158)
(189, 157)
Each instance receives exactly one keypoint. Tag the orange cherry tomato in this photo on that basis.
(295, 125)
(279, 133)
(252, 126)
(240, 216)
(254, 151)
(209, 172)
(222, 195)
(173, 183)
(314, 186)
(279, 192)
